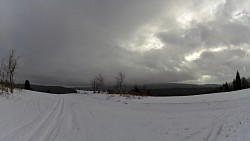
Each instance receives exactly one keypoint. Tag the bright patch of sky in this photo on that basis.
(144, 39)
(196, 55)
(203, 14)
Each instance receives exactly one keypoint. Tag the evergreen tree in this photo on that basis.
(27, 85)
(238, 81)
(226, 87)
(244, 83)
(234, 85)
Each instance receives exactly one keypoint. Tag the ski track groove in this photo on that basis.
(220, 127)
(58, 122)
(22, 130)
(44, 128)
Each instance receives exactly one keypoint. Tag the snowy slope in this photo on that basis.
(33, 116)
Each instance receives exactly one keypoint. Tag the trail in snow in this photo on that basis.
(32, 116)
(41, 125)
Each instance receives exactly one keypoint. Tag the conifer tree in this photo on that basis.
(237, 81)
(244, 83)
(27, 85)
(226, 87)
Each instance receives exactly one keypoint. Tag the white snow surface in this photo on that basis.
(34, 116)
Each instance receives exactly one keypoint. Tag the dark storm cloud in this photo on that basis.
(69, 42)
(56, 38)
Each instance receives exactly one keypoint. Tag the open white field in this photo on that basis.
(33, 116)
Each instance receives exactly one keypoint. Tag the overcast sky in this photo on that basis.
(68, 42)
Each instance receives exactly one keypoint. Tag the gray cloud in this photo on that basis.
(69, 42)
(222, 65)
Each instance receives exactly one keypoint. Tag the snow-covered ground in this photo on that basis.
(33, 116)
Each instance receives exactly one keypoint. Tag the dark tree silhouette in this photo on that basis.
(226, 87)
(27, 85)
(234, 84)
(136, 89)
(244, 83)
(94, 85)
(237, 81)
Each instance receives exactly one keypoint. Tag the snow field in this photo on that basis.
(33, 116)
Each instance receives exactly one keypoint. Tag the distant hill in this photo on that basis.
(178, 89)
(50, 89)
(158, 86)
(182, 91)
(169, 89)
(179, 85)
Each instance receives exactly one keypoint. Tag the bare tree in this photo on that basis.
(98, 83)
(2, 75)
(100, 79)
(119, 81)
(12, 63)
(94, 85)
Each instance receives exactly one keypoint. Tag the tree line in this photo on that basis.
(119, 87)
(98, 82)
(237, 84)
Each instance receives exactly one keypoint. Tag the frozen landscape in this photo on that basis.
(33, 116)
(139, 47)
